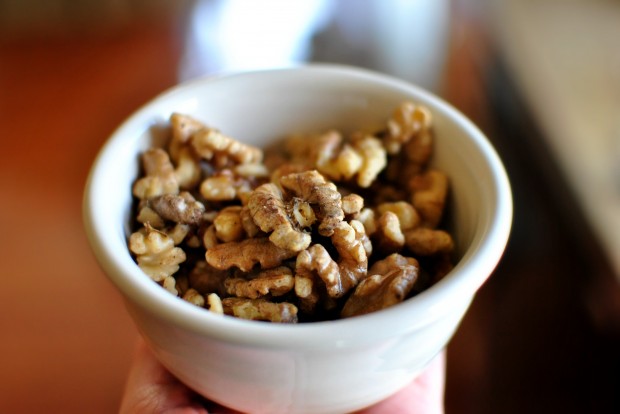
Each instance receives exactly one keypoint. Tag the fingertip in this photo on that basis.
(424, 395)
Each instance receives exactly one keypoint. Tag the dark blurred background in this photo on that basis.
(541, 78)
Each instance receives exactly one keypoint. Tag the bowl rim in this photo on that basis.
(432, 302)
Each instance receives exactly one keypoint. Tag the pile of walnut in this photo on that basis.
(326, 227)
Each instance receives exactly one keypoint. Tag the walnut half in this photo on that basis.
(389, 283)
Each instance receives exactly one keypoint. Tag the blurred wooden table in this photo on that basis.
(66, 339)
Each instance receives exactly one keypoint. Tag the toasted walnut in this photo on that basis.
(306, 290)
(302, 213)
(348, 163)
(429, 193)
(407, 121)
(250, 228)
(409, 140)
(361, 236)
(209, 238)
(274, 282)
(312, 187)
(339, 277)
(423, 241)
(180, 208)
(389, 282)
(363, 157)
(159, 175)
(260, 310)
(247, 253)
(222, 150)
(348, 239)
(155, 253)
(214, 304)
(228, 225)
(417, 152)
(257, 170)
(389, 236)
(187, 171)
(314, 151)
(332, 158)
(205, 278)
(147, 215)
(218, 188)
(170, 284)
(225, 186)
(178, 232)
(286, 169)
(408, 217)
(316, 260)
(194, 297)
(367, 217)
(374, 159)
(352, 204)
(183, 127)
(267, 207)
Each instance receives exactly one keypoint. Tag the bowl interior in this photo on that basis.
(260, 107)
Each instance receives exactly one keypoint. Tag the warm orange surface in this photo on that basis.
(66, 338)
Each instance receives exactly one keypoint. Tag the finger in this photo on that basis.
(423, 396)
(150, 388)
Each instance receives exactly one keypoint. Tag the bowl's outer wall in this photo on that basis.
(250, 365)
(321, 380)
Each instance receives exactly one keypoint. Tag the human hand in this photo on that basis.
(152, 389)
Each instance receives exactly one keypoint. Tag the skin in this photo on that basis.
(152, 389)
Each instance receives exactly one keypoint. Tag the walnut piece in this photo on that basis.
(225, 186)
(389, 235)
(247, 222)
(228, 224)
(170, 284)
(194, 297)
(374, 159)
(224, 151)
(323, 195)
(147, 215)
(339, 277)
(426, 242)
(274, 282)
(407, 121)
(206, 279)
(183, 128)
(408, 217)
(180, 208)
(361, 158)
(159, 175)
(429, 193)
(352, 204)
(209, 237)
(269, 212)
(246, 254)
(156, 253)
(389, 283)
(214, 304)
(187, 171)
(260, 310)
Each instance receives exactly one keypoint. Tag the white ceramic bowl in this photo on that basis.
(321, 367)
